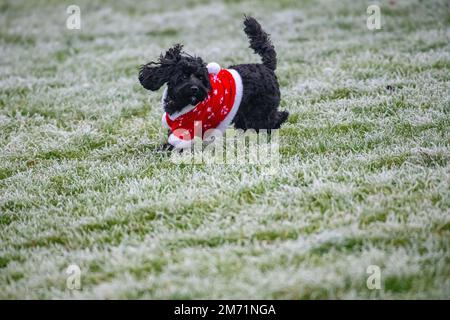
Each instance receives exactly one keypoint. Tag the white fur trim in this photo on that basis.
(237, 101)
(179, 143)
(164, 96)
(213, 67)
(186, 109)
(164, 121)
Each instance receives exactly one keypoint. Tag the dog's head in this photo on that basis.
(186, 77)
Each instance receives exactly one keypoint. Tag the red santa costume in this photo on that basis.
(211, 116)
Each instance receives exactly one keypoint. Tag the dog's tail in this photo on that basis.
(260, 42)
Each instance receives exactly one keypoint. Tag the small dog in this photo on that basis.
(246, 95)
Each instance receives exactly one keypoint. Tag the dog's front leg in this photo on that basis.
(166, 146)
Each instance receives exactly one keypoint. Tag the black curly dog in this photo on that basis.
(188, 82)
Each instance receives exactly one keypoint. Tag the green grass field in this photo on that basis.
(364, 175)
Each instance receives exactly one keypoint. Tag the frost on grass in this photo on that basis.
(364, 177)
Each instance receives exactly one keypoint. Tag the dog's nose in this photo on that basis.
(194, 89)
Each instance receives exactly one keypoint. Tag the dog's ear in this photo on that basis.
(153, 77)
(154, 74)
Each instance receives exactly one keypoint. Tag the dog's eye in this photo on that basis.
(184, 76)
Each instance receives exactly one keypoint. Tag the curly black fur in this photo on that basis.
(261, 99)
(260, 42)
(188, 83)
(186, 76)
